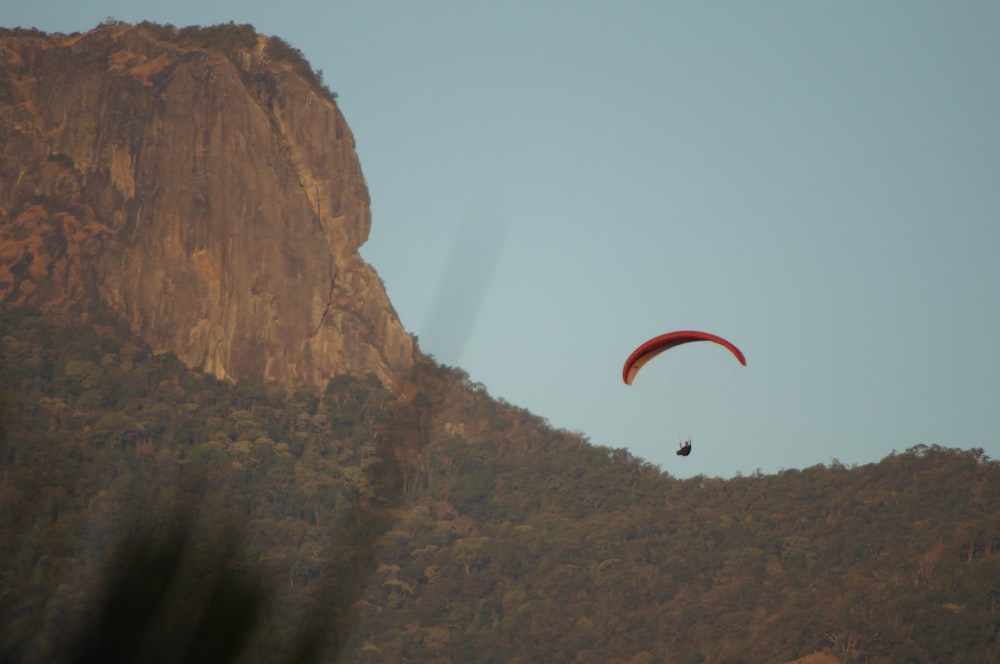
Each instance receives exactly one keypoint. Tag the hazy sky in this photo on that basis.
(817, 182)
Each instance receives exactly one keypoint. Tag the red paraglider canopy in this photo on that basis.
(657, 345)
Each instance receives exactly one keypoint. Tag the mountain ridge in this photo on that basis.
(449, 526)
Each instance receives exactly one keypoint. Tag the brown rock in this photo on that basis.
(210, 197)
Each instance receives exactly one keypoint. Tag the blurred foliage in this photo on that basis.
(444, 525)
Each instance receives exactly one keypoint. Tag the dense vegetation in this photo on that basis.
(443, 525)
(231, 39)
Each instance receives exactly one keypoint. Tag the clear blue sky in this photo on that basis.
(817, 182)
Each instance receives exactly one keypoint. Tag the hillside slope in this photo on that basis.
(448, 526)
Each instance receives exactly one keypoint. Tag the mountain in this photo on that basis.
(162, 511)
(203, 186)
(218, 444)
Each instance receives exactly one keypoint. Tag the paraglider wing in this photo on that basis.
(664, 342)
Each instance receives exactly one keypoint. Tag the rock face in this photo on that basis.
(209, 196)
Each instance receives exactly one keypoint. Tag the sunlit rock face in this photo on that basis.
(211, 197)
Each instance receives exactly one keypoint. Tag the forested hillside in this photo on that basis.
(448, 526)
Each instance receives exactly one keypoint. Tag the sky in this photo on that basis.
(555, 182)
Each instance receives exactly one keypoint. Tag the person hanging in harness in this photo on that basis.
(685, 448)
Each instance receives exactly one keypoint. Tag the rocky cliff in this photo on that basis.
(204, 186)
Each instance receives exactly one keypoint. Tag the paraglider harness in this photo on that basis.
(685, 448)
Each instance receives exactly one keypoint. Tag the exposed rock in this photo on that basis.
(210, 197)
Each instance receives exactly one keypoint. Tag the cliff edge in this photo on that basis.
(201, 185)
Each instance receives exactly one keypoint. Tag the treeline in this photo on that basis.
(231, 39)
(440, 525)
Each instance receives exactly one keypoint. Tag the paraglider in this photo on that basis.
(647, 351)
